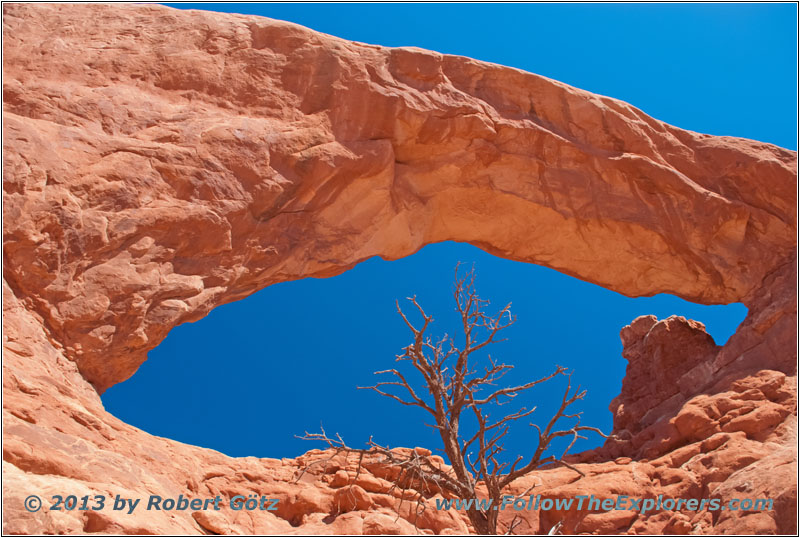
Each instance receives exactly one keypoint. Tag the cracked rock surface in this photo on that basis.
(159, 163)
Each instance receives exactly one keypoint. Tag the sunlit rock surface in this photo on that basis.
(159, 163)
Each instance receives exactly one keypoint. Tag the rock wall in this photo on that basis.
(159, 163)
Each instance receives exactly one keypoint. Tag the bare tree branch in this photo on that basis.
(453, 385)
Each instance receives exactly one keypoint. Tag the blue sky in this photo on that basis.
(252, 374)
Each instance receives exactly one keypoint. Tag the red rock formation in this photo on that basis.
(159, 163)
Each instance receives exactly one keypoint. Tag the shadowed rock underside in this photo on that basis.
(159, 163)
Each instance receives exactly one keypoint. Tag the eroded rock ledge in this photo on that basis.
(159, 163)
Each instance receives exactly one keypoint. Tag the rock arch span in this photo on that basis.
(189, 159)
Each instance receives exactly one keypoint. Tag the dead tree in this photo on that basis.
(453, 386)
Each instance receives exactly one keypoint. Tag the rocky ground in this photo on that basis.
(158, 163)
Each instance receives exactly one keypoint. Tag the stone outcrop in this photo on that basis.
(160, 163)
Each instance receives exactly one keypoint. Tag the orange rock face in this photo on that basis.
(160, 163)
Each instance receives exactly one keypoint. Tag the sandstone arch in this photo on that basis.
(190, 159)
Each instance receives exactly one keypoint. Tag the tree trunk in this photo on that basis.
(480, 522)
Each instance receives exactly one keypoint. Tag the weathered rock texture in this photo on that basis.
(160, 163)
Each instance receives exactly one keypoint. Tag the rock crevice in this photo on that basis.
(160, 163)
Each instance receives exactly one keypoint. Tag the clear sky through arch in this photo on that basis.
(253, 374)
